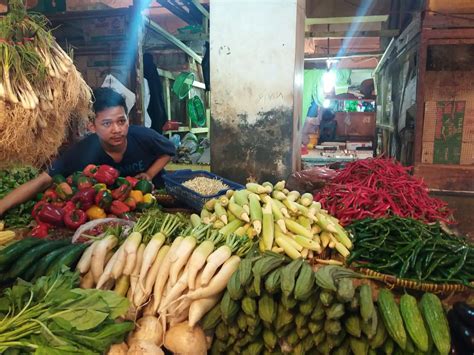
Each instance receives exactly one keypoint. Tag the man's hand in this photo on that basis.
(143, 176)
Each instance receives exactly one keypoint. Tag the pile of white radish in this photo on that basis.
(175, 275)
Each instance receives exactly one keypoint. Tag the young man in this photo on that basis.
(133, 150)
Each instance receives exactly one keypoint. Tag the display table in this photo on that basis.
(324, 157)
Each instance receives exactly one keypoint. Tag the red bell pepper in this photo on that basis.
(36, 208)
(50, 195)
(47, 213)
(40, 231)
(74, 219)
(131, 203)
(122, 192)
(90, 170)
(132, 180)
(84, 198)
(84, 182)
(118, 208)
(58, 204)
(64, 191)
(69, 206)
(104, 199)
(106, 174)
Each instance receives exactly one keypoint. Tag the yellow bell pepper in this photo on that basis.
(149, 199)
(137, 195)
(95, 212)
(100, 186)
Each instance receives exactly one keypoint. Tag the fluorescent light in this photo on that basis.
(329, 81)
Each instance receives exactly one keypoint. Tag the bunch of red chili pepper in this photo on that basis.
(379, 187)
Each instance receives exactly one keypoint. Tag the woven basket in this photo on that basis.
(165, 200)
(393, 282)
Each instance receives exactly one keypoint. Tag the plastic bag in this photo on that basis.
(310, 180)
(190, 143)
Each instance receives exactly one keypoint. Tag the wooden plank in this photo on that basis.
(439, 20)
(348, 34)
(446, 177)
(201, 8)
(347, 55)
(420, 97)
(167, 98)
(349, 19)
(153, 26)
(171, 76)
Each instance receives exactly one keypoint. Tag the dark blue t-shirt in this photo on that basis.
(144, 146)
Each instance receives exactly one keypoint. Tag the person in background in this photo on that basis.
(327, 127)
(132, 150)
(311, 123)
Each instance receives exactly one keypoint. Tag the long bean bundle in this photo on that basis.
(410, 249)
(40, 89)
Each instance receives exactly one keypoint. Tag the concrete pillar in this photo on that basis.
(257, 51)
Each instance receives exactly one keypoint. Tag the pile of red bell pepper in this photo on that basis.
(96, 192)
(377, 188)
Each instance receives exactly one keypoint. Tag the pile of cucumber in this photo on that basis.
(31, 258)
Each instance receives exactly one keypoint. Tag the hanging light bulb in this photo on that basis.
(329, 81)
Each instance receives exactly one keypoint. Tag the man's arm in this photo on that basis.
(155, 168)
(25, 192)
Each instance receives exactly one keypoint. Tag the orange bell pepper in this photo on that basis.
(137, 195)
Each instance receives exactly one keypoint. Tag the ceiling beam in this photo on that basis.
(350, 19)
(347, 34)
(319, 57)
(201, 8)
(170, 38)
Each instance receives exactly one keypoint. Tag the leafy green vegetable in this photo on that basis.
(52, 317)
(19, 216)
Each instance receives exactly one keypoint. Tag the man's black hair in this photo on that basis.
(105, 98)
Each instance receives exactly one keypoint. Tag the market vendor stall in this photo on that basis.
(259, 269)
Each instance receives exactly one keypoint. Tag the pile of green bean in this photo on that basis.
(410, 249)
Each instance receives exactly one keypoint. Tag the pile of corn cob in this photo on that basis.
(283, 220)
(6, 236)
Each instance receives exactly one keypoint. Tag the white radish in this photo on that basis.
(87, 280)
(141, 295)
(119, 262)
(167, 228)
(107, 274)
(183, 253)
(218, 283)
(136, 270)
(214, 261)
(98, 255)
(198, 260)
(149, 256)
(199, 308)
(131, 246)
(175, 292)
(164, 273)
(84, 263)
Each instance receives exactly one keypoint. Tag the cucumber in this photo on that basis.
(48, 259)
(392, 318)
(29, 258)
(413, 321)
(433, 313)
(13, 251)
(69, 258)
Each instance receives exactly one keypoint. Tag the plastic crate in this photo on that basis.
(174, 181)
